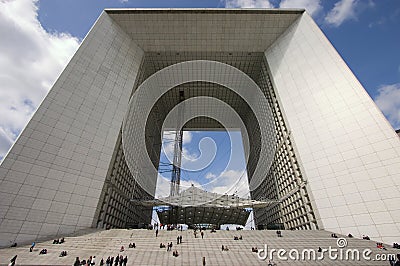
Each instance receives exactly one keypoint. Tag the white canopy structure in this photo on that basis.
(197, 206)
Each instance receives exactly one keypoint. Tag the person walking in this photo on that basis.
(202, 234)
(13, 260)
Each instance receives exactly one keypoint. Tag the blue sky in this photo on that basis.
(213, 160)
(366, 33)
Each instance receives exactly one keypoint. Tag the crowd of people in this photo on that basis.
(59, 241)
(118, 260)
(380, 245)
(238, 237)
(179, 240)
(366, 237)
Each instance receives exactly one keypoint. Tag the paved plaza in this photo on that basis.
(104, 243)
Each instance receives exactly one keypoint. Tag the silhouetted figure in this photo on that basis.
(319, 249)
(398, 260)
(157, 232)
(77, 262)
(32, 246)
(13, 260)
(43, 252)
(180, 239)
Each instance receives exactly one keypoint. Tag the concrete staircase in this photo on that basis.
(147, 252)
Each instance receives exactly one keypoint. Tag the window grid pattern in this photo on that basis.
(284, 180)
(117, 209)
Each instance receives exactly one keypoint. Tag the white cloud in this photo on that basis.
(191, 160)
(187, 137)
(312, 6)
(210, 176)
(5, 142)
(168, 146)
(342, 11)
(164, 186)
(388, 100)
(248, 4)
(30, 59)
(227, 182)
(230, 182)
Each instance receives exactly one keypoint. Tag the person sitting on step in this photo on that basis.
(43, 251)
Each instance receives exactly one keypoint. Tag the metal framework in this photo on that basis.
(176, 167)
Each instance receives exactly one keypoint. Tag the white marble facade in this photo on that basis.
(51, 179)
(349, 152)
